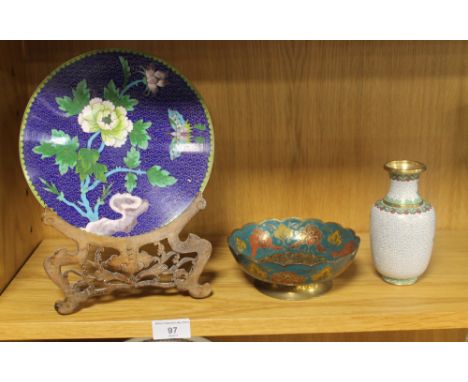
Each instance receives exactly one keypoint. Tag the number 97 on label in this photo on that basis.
(171, 329)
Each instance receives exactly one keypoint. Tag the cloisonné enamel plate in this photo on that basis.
(116, 143)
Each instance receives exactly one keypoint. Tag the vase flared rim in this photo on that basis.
(405, 167)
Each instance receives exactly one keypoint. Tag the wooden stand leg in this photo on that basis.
(129, 268)
(203, 249)
(53, 267)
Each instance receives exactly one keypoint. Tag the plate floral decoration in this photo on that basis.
(106, 121)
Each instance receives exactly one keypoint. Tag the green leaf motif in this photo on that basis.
(159, 177)
(199, 140)
(66, 156)
(127, 102)
(63, 147)
(139, 137)
(73, 106)
(112, 93)
(200, 126)
(130, 181)
(132, 159)
(46, 149)
(50, 187)
(125, 69)
(87, 164)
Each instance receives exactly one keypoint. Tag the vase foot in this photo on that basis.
(293, 293)
(393, 281)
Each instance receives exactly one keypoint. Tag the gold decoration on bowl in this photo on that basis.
(240, 244)
(283, 232)
(335, 238)
(324, 274)
(290, 258)
(257, 272)
(310, 235)
(287, 278)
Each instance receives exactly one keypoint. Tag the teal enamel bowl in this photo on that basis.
(292, 255)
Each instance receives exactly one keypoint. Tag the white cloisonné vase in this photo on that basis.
(402, 226)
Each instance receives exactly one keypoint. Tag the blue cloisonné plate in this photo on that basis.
(117, 143)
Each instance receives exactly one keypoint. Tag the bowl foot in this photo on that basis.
(393, 281)
(293, 293)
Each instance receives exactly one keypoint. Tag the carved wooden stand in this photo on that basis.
(128, 268)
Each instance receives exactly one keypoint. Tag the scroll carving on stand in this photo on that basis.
(103, 265)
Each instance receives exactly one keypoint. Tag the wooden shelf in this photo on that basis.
(358, 302)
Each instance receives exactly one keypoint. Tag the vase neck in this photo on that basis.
(403, 192)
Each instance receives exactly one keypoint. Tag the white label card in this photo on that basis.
(170, 329)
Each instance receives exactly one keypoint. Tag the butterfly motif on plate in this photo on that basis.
(182, 134)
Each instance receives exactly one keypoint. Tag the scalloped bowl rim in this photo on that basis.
(238, 255)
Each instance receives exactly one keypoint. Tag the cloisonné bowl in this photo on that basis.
(293, 259)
